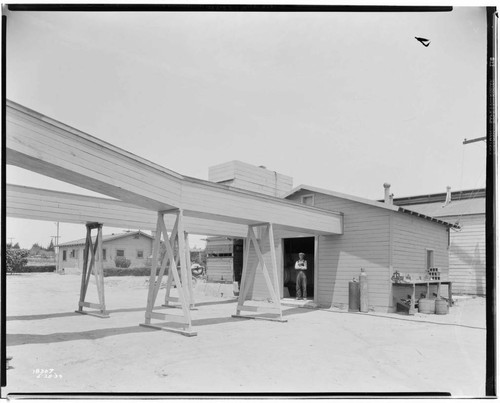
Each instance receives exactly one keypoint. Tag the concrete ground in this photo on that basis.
(316, 350)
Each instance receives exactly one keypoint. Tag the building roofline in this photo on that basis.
(114, 236)
(370, 202)
(342, 196)
(440, 197)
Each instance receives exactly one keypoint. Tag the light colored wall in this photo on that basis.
(260, 289)
(364, 244)
(368, 242)
(71, 264)
(468, 255)
(413, 236)
(246, 176)
(130, 246)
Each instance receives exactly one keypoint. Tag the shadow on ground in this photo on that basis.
(22, 338)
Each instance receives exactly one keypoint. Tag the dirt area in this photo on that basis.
(316, 350)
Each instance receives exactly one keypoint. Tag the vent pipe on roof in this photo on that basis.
(448, 196)
(387, 196)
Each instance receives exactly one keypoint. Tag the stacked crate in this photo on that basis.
(434, 273)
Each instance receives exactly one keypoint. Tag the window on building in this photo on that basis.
(140, 254)
(308, 200)
(120, 253)
(73, 254)
(104, 254)
(430, 258)
(64, 256)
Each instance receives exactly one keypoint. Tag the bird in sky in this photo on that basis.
(423, 41)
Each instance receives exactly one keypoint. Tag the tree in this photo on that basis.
(16, 259)
(51, 246)
(35, 249)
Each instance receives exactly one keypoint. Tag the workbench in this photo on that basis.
(412, 284)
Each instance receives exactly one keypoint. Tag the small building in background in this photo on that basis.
(467, 208)
(224, 259)
(135, 246)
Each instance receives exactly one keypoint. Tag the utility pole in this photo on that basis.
(56, 247)
(491, 176)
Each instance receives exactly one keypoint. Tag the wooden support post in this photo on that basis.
(95, 266)
(189, 282)
(247, 275)
(270, 278)
(83, 288)
(154, 286)
(170, 280)
(274, 270)
(99, 269)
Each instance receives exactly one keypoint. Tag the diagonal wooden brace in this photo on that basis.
(155, 281)
(94, 266)
(270, 275)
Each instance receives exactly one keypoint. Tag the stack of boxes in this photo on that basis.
(434, 273)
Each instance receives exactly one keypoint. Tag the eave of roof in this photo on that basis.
(342, 196)
(369, 202)
(105, 238)
(440, 197)
(455, 208)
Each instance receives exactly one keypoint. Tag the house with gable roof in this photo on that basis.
(135, 246)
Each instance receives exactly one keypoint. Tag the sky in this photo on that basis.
(341, 101)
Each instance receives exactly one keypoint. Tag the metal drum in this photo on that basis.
(353, 296)
(426, 305)
(441, 307)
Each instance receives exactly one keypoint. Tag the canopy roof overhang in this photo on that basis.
(49, 205)
(43, 145)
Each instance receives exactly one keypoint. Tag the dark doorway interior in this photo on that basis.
(237, 260)
(292, 248)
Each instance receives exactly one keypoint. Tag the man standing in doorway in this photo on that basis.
(301, 283)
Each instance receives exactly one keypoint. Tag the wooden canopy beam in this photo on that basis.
(50, 148)
(48, 205)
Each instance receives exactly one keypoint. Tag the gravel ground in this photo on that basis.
(315, 351)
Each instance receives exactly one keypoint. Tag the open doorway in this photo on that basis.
(291, 249)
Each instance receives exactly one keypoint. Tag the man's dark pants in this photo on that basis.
(301, 284)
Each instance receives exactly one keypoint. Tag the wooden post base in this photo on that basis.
(260, 317)
(188, 333)
(94, 313)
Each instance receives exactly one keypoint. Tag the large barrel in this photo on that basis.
(426, 305)
(441, 307)
(353, 296)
